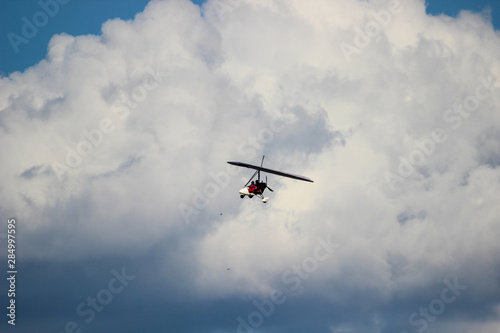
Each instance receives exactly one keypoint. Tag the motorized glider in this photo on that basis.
(258, 187)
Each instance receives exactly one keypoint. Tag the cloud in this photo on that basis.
(111, 137)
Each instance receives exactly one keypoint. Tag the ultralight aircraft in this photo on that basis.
(258, 187)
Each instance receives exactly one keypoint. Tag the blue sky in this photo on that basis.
(75, 18)
(86, 17)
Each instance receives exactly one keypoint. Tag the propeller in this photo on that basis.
(270, 189)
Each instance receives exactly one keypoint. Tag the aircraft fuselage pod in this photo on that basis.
(245, 192)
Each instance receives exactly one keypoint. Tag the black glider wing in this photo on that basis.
(279, 173)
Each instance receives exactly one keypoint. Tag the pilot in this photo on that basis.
(252, 187)
(259, 187)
